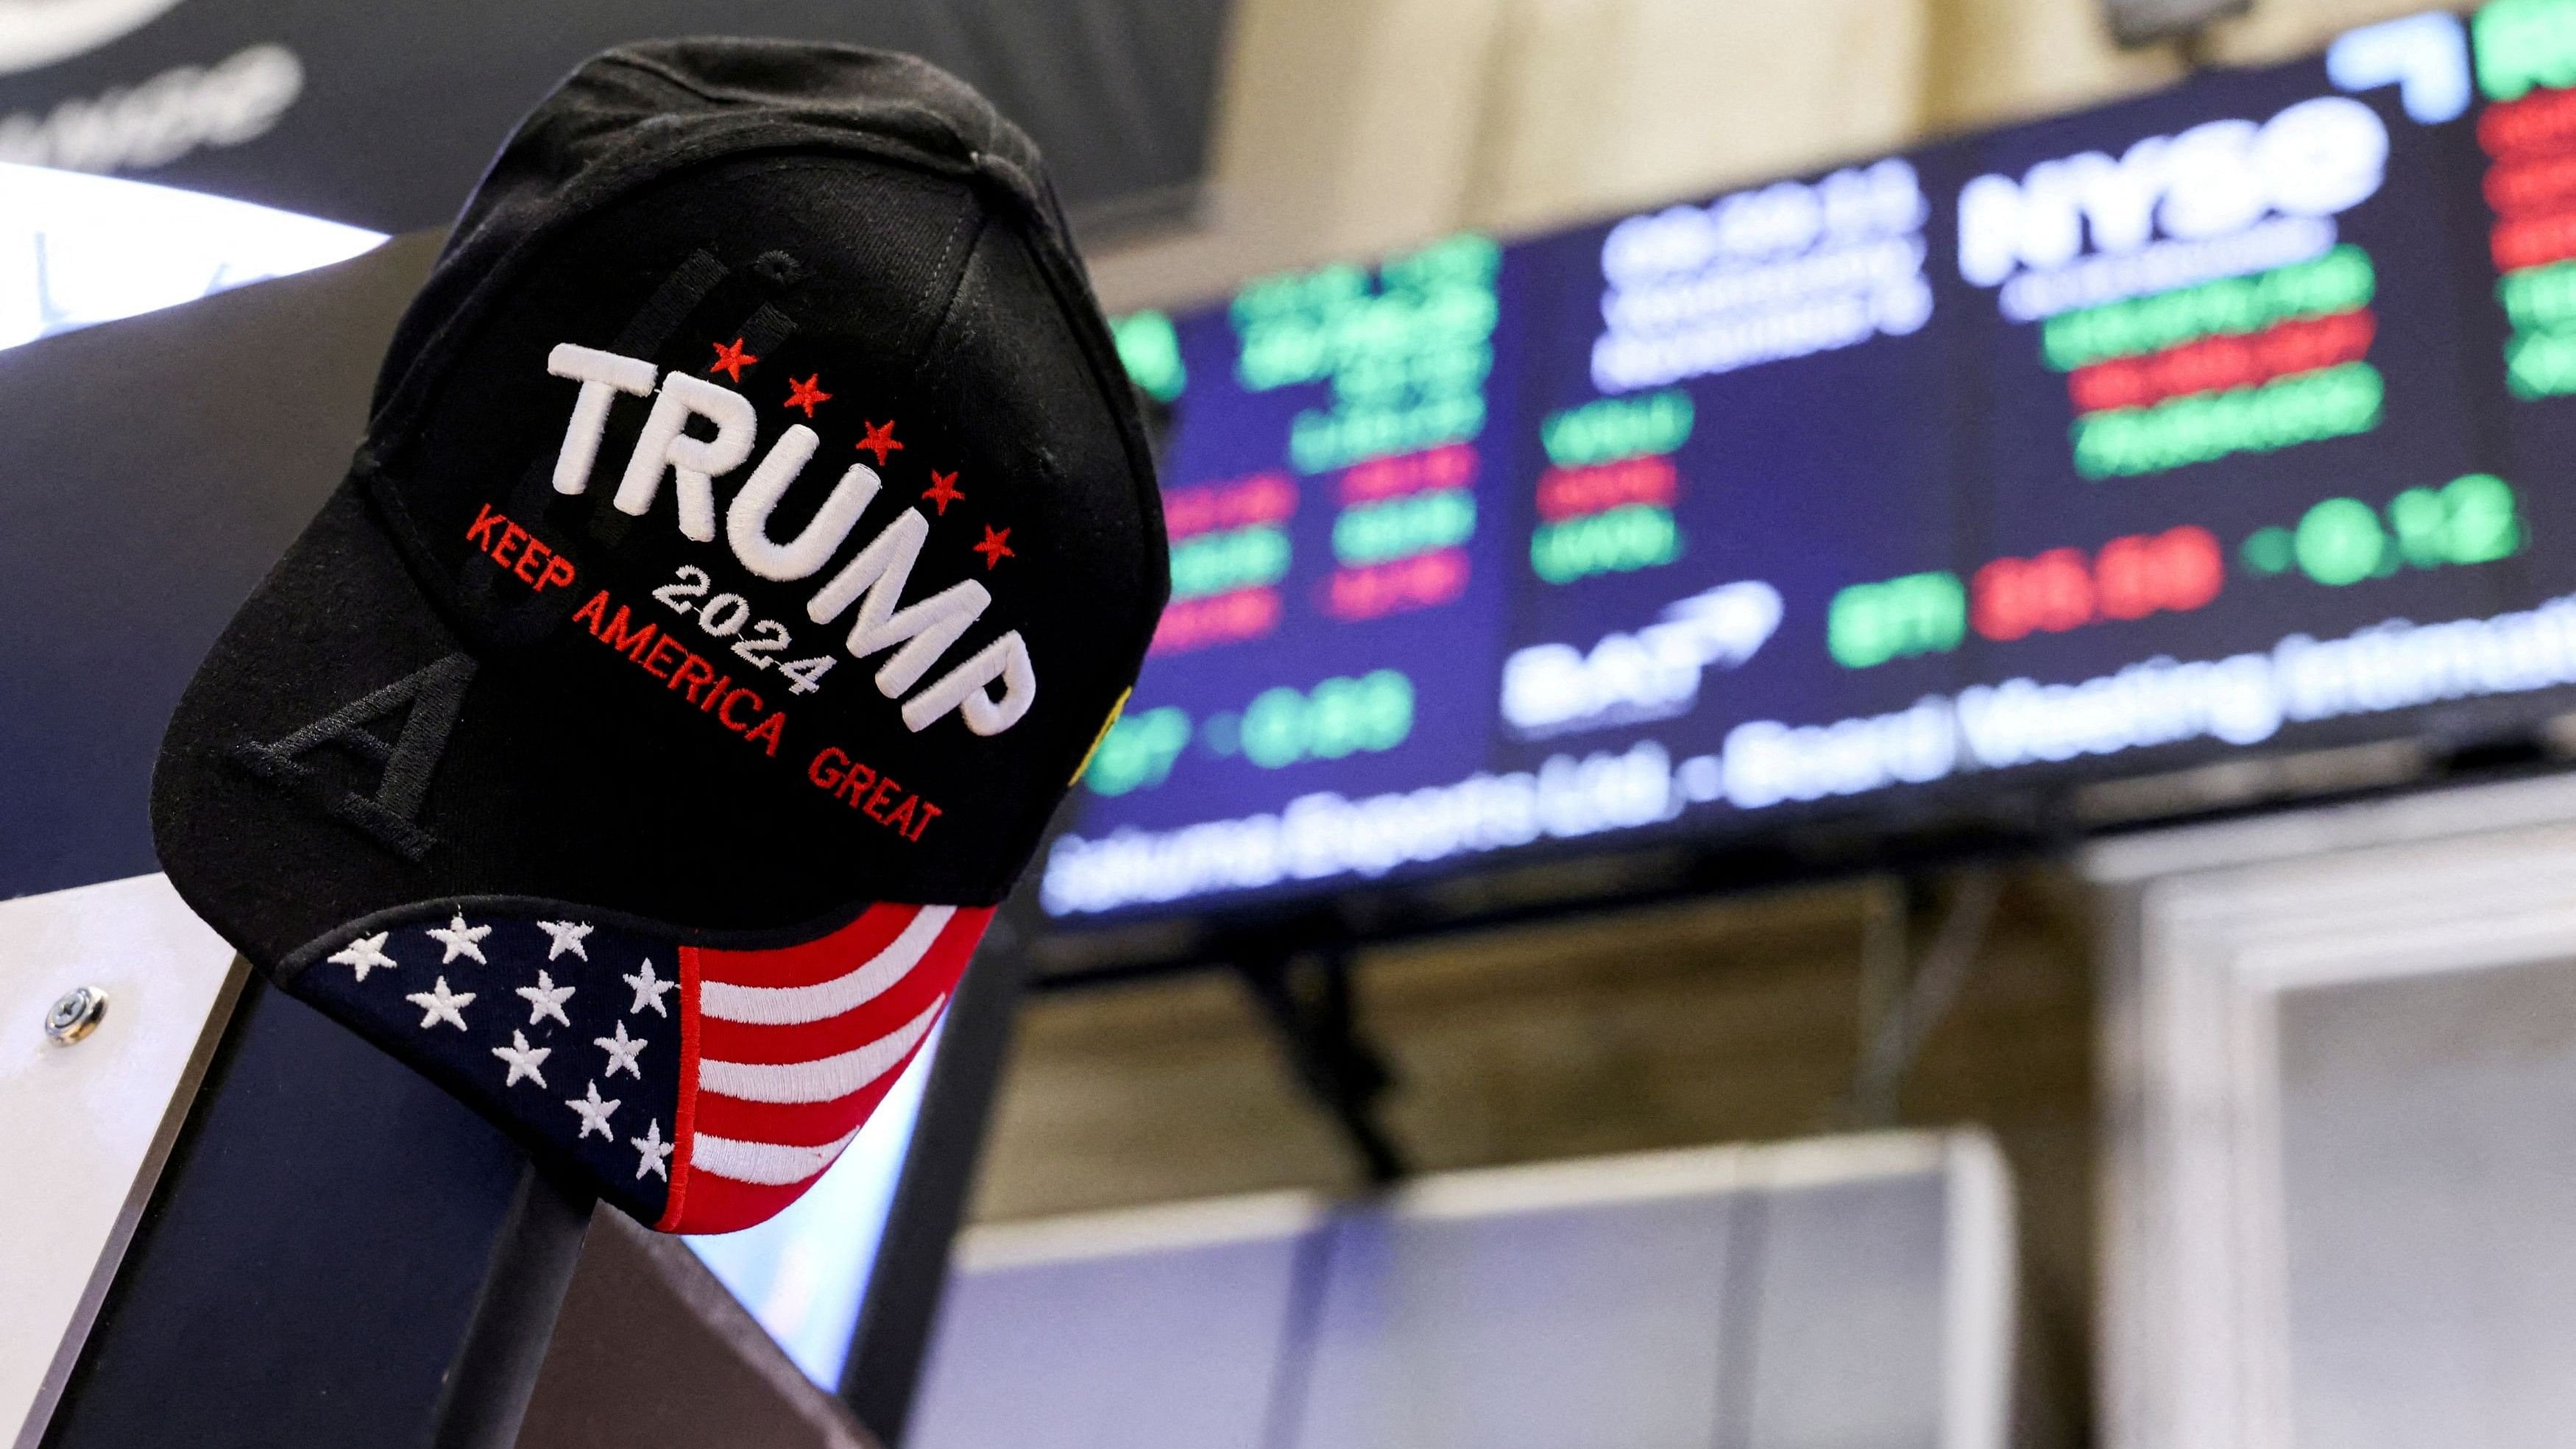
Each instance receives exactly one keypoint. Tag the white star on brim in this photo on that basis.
(593, 1112)
(562, 936)
(546, 999)
(523, 1059)
(622, 1051)
(461, 939)
(648, 989)
(655, 1150)
(439, 1004)
(365, 954)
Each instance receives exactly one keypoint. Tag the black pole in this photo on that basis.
(338, 1253)
(1307, 1000)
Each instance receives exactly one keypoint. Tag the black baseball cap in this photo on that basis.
(753, 534)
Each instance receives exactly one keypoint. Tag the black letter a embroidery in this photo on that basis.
(390, 815)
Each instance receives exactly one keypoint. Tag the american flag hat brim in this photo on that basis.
(702, 1086)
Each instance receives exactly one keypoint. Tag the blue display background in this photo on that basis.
(2424, 438)
(1926, 448)
(1449, 652)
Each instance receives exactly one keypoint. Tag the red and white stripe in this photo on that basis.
(785, 1053)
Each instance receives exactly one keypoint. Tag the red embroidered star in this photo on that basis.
(995, 547)
(806, 394)
(731, 360)
(943, 491)
(880, 441)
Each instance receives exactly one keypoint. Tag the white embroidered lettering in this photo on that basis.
(601, 375)
(694, 463)
(925, 630)
(874, 578)
(963, 689)
(747, 521)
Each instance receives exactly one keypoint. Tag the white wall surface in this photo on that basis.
(84, 1127)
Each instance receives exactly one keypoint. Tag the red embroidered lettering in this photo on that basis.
(885, 786)
(529, 556)
(665, 642)
(861, 788)
(539, 565)
(693, 675)
(632, 645)
(832, 770)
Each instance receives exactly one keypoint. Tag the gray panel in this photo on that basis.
(1175, 1348)
(1653, 1302)
(2428, 1130)
(1848, 1352)
(1595, 1324)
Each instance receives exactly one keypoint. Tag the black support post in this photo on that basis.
(1307, 1000)
(338, 1253)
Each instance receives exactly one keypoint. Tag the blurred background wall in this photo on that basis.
(1730, 1020)
(1348, 128)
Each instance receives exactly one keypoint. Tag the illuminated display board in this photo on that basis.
(2525, 164)
(2238, 413)
(1340, 562)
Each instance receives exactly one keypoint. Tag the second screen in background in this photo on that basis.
(2106, 442)
(1339, 550)
(1737, 511)
(2235, 407)
(2524, 258)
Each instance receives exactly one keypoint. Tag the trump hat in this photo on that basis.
(753, 533)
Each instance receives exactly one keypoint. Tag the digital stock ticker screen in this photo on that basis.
(2239, 414)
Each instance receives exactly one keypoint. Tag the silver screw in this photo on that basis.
(75, 1014)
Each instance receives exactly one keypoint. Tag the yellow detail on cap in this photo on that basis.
(1105, 727)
